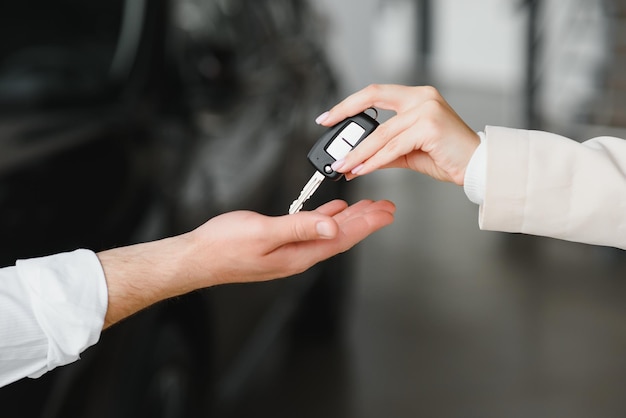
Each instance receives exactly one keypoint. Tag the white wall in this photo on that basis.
(480, 42)
(350, 38)
(477, 42)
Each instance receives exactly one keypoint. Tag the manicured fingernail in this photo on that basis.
(324, 230)
(321, 118)
(357, 170)
(336, 166)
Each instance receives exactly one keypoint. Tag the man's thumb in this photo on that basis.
(307, 226)
(326, 229)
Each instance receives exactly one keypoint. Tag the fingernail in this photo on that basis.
(321, 118)
(324, 230)
(336, 166)
(356, 170)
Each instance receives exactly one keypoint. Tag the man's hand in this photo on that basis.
(235, 247)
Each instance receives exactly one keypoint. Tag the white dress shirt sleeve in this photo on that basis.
(51, 309)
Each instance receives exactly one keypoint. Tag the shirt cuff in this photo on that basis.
(474, 182)
(69, 297)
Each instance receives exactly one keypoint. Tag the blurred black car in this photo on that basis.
(129, 120)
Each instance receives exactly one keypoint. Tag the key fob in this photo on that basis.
(338, 141)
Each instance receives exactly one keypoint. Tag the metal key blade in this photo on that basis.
(307, 192)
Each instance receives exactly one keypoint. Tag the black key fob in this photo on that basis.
(338, 141)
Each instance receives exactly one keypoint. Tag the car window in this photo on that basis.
(55, 51)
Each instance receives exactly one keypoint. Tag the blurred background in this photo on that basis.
(136, 119)
(446, 320)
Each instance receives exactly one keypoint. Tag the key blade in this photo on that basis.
(307, 191)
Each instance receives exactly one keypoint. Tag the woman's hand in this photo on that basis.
(425, 134)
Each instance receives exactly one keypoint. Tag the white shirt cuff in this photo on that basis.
(476, 173)
(69, 298)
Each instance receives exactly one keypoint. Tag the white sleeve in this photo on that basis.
(476, 173)
(51, 309)
(545, 184)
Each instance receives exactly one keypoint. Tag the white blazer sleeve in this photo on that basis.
(51, 309)
(545, 184)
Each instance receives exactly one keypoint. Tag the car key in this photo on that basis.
(334, 145)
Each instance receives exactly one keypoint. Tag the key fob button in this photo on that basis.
(339, 148)
(352, 133)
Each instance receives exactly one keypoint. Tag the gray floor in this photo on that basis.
(450, 321)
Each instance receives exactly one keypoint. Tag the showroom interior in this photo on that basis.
(428, 317)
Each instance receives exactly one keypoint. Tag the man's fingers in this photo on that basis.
(362, 208)
(327, 222)
(331, 208)
(354, 224)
